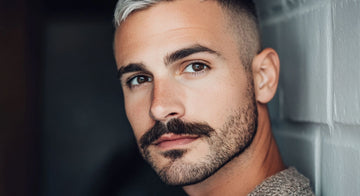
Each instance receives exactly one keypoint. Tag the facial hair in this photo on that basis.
(225, 144)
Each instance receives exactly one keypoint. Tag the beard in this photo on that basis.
(224, 144)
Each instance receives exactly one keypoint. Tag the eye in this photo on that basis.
(195, 67)
(138, 80)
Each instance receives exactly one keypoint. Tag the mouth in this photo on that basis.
(172, 141)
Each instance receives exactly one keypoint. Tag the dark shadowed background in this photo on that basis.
(63, 126)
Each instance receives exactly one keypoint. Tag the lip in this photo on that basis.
(170, 141)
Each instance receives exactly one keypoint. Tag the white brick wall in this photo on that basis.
(316, 112)
(346, 52)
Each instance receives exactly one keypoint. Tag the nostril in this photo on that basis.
(172, 114)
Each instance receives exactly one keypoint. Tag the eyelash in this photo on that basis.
(148, 78)
(205, 68)
(132, 78)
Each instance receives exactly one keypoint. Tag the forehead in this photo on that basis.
(170, 23)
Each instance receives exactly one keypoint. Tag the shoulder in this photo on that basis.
(286, 182)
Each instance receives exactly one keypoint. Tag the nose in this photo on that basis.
(167, 101)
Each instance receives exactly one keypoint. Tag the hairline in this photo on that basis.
(130, 6)
(248, 34)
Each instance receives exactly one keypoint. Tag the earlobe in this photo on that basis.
(266, 66)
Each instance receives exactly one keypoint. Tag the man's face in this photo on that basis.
(180, 60)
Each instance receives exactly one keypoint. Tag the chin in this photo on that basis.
(180, 173)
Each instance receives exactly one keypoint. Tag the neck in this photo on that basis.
(242, 174)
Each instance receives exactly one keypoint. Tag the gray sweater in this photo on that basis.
(286, 182)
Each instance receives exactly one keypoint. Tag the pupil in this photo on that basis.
(197, 67)
(141, 79)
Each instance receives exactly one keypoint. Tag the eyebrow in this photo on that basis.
(171, 58)
(132, 67)
(184, 52)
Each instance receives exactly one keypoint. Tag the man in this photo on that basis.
(196, 85)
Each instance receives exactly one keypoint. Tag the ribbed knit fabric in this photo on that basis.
(286, 182)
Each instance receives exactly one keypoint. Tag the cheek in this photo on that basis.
(218, 98)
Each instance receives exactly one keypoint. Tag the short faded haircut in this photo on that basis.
(241, 14)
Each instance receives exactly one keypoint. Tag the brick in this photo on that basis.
(340, 159)
(346, 67)
(298, 144)
(304, 50)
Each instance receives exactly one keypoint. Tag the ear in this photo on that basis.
(266, 67)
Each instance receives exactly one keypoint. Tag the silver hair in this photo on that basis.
(125, 7)
(249, 29)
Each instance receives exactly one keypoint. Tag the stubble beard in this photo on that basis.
(224, 144)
